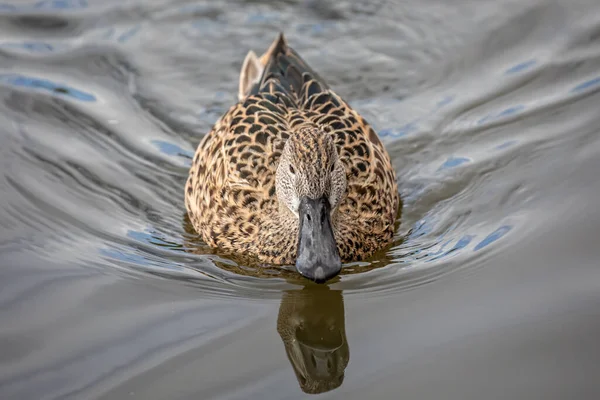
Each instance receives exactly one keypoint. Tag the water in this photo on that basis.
(491, 290)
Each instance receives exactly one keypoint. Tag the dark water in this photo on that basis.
(490, 110)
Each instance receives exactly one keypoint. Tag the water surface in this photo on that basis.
(489, 110)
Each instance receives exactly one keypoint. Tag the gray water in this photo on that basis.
(489, 109)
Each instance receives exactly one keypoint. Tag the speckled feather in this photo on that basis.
(230, 193)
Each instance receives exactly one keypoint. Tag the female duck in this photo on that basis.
(291, 173)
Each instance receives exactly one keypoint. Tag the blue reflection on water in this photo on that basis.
(444, 102)
(506, 144)
(37, 83)
(172, 149)
(33, 47)
(492, 237)
(398, 132)
(422, 227)
(461, 244)
(126, 256)
(108, 33)
(129, 256)
(453, 162)
(45, 5)
(412, 126)
(136, 256)
(442, 245)
(149, 238)
(586, 85)
(504, 113)
(128, 34)
(61, 4)
(521, 67)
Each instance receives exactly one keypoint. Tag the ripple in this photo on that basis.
(99, 130)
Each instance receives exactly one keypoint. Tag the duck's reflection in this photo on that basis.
(310, 323)
(312, 327)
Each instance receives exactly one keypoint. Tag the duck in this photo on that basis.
(291, 174)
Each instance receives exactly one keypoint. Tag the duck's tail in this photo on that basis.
(253, 66)
(279, 66)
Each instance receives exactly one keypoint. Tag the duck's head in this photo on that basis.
(311, 182)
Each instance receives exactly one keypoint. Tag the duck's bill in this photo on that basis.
(318, 258)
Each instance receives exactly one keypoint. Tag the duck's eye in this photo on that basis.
(292, 170)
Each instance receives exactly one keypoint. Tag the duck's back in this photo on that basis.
(230, 192)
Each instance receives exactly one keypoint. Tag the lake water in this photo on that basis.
(489, 109)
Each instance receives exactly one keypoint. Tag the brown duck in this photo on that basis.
(292, 174)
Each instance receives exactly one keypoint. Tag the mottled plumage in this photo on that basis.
(289, 136)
